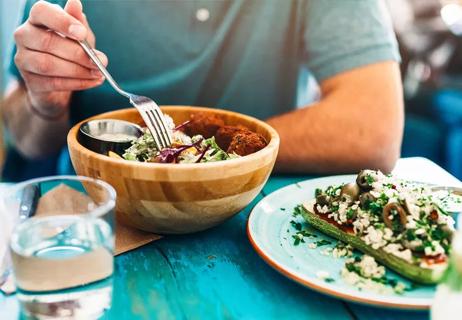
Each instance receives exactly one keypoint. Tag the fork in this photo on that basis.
(148, 109)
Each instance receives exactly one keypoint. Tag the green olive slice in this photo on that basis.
(322, 199)
(366, 198)
(362, 180)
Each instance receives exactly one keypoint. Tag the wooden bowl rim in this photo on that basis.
(272, 146)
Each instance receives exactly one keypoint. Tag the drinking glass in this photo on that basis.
(62, 246)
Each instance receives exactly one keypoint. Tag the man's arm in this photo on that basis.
(357, 124)
(34, 136)
(52, 67)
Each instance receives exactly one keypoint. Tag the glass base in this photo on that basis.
(89, 302)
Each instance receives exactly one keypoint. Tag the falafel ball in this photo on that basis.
(204, 124)
(246, 142)
(225, 134)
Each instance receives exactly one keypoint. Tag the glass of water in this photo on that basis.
(62, 246)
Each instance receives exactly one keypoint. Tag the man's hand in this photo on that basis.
(51, 63)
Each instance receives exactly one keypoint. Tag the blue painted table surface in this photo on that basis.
(216, 274)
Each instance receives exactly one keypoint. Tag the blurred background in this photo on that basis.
(430, 37)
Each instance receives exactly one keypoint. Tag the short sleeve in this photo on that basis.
(340, 35)
(12, 69)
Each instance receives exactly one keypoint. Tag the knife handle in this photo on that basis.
(29, 201)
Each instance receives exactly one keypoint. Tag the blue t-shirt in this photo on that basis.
(242, 55)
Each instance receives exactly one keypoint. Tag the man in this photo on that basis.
(241, 55)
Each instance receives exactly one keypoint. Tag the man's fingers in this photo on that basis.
(55, 18)
(91, 36)
(75, 9)
(39, 84)
(39, 39)
(48, 65)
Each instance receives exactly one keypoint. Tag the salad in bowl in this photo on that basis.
(202, 138)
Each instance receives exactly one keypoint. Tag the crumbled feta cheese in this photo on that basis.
(375, 194)
(447, 220)
(370, 268)
(397, 250)
(399, 288)
(363, 220)
(374, 238)
(390, 193)
(413, 209)
(321, 274)
(312, 245)
(388, 234)
(377, 185)
(179, 137)
(411, 224)
(343, 206)
(344, 251)
(323, 209)
(434, 250)
(342, 212)
(405, 255)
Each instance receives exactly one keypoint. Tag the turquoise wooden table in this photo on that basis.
(216, 274)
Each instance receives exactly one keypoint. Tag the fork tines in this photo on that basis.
(155, 121)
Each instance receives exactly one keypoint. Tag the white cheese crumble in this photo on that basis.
(388, 234)
(362, 283)
(399, 251)
(370, 268)
(369, 275)
(344, 251)
(434, 250)
(323, 209)
(374, 238)
(323, 275)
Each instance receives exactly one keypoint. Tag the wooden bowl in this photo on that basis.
(179, 198)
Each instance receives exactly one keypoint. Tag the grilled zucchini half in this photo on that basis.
(409, 270)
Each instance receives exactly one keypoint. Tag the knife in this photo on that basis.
(27, 208)
(29, 201)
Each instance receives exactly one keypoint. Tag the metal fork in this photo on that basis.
(148, 109)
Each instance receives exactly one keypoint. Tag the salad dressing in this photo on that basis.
(119, 137)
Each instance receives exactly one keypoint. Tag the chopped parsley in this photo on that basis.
(323, 242)
(297, 225)
(317, 192)
(350, 213)
(369, 179)
(298, 210)
(300, 236)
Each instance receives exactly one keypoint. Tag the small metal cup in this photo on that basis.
(91, 135)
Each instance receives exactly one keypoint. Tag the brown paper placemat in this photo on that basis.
(66, 200)
(128, 238)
